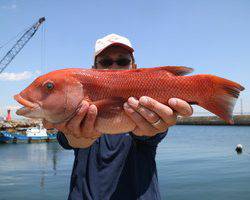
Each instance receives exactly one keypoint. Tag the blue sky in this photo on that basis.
(210, 36)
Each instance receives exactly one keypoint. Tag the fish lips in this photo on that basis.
(30, 109)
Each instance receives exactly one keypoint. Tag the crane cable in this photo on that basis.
(43, 48)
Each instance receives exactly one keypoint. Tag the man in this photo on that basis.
(118, 166)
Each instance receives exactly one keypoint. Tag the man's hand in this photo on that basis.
(79, 130)
(152, 117)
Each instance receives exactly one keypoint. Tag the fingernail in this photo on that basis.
(85, 104)
(144, 100)
(133, 102)
(173, 102)
(125, 105)
(128, 108)
(92, 109)
(83, 108)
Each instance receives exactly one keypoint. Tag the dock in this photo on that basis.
(239, 120)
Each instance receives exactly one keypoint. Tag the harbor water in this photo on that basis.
(193, 162)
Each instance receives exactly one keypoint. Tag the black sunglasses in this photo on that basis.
(106, 62)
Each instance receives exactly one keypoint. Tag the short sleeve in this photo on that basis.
(62, 140)
(152, 141)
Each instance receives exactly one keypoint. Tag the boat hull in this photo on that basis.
(6, 137)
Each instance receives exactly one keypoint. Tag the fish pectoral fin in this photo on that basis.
(109, 107)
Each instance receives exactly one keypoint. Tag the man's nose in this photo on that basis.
(114, 66)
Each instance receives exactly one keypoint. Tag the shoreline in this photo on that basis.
(239, 120)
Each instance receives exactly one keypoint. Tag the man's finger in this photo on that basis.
(76, 121)
(88, 125)
(74, 125)
(160, 125)
(140, 122)
(152, 118)
(181, 107)
(149, 115)
(165, 112)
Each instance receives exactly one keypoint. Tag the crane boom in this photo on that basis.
(20, 44)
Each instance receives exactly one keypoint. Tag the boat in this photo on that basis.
(33, 134)
(5, 137)
(38, 132)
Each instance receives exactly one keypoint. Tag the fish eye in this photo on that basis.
(49, 86)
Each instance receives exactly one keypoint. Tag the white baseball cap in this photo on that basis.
(112, 40)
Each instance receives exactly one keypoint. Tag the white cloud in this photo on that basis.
(12, 6)
(38, 72)
(17, 76)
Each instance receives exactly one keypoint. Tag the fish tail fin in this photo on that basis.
(224, 98)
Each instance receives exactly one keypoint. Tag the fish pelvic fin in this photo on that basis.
(223, 100)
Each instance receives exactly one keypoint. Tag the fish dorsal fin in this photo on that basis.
(177, 70)
(174, 70)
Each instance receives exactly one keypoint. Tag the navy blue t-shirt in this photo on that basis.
(115, 167)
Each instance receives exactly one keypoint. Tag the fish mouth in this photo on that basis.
(28, 106)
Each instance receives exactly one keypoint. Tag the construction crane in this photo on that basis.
(11, 54)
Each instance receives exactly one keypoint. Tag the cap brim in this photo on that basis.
(130, 49)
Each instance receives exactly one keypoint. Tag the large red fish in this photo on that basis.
(57, 96)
